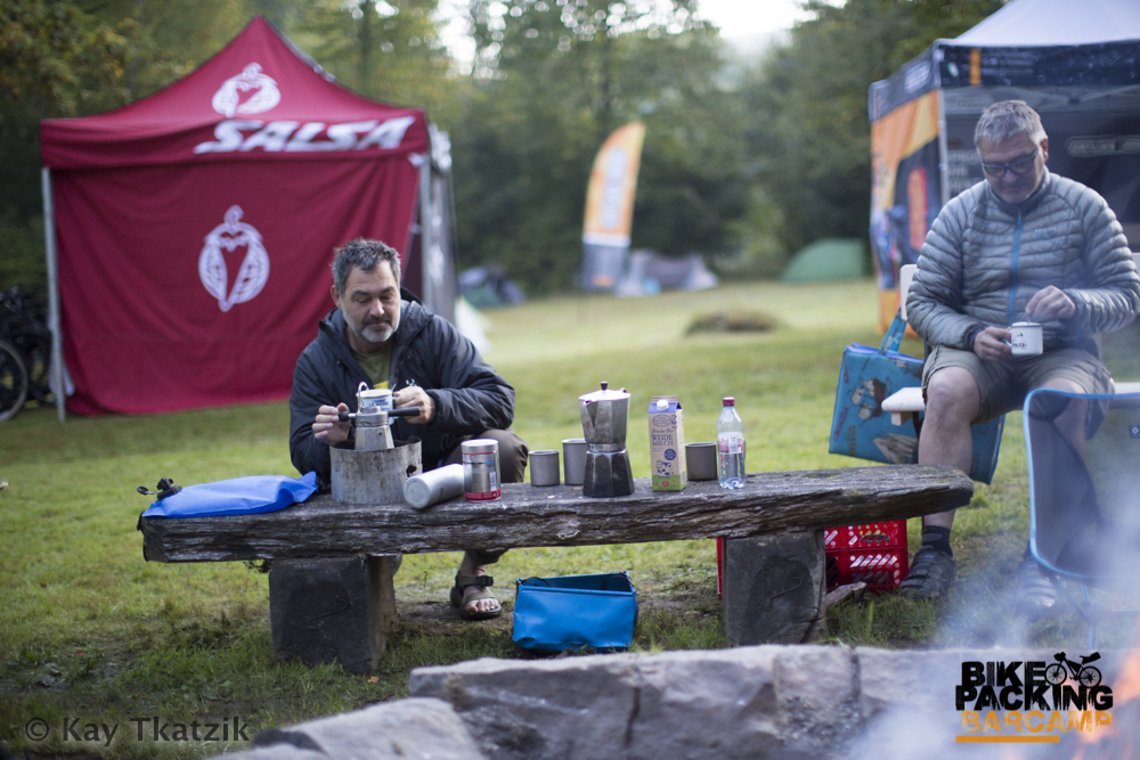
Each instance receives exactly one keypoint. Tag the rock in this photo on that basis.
(406, 729)
(754, 702)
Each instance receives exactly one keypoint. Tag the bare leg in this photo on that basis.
(952, 402)
(1036, 593)
(1072, 420)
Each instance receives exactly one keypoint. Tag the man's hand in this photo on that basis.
(327, 426)
(414, 395)
(992, 344)
(1050, 303)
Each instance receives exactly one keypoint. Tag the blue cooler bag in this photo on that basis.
(575, 612)
(859, 426)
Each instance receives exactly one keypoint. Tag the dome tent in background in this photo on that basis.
(827, 259)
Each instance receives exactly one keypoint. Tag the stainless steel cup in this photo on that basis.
(700, 459)
(544, 468)
(574, 461)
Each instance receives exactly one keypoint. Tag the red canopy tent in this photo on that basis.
(190, 233)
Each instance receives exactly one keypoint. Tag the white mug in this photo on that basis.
(1025, 338)
(368, 399)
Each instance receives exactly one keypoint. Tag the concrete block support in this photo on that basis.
(324, 610)
(773, 588)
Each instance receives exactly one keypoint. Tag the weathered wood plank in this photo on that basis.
(770, 502)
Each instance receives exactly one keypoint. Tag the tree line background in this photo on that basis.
(747, 157)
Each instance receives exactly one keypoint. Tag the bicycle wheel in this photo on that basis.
(37, 354)
(13, 381)
(1056, 674)
(1089, 676)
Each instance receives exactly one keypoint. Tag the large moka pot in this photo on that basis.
(604, 417)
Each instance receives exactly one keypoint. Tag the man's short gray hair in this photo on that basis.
(1006, 119)
(364, 254)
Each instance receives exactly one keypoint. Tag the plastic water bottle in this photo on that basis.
(730, 446)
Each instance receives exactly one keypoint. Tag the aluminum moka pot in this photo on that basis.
(604, 417)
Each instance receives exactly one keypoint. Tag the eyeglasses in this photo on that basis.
(1018, 167)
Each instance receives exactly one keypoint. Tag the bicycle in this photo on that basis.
(25, 353)
(1082, 672)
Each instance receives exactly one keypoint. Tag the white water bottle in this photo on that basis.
(730, 446)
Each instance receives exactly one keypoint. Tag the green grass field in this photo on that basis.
(89, 632)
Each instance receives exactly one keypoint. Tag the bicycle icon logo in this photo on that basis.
(1081, 672)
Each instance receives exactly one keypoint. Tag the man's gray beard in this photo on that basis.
(377, 333)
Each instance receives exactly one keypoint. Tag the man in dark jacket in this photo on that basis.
(1023, 244)
(381, 336)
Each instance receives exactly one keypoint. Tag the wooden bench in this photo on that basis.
(347, 549)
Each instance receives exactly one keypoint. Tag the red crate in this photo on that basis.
(873, 553)
(877, 535)
(880, 569)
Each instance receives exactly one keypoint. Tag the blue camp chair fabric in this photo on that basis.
(1084, 494)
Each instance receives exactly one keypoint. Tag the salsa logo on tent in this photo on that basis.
(234, 96)
(253, 272)
(234, 135)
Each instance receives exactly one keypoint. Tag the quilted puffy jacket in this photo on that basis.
(469, 395)
(984, 258)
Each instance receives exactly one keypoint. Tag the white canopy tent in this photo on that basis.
(1077, 63)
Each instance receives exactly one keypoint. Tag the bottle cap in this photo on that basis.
(729, 401)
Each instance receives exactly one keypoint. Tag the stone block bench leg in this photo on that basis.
(773, 588)
(324, 610)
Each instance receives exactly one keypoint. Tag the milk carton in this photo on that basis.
(667, 444)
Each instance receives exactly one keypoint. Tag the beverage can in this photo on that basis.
(481, 469)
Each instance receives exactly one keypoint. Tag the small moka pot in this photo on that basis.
(370, 426)
(604, 416)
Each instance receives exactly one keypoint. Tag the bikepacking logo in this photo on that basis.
(1031, 701)
(229, 238)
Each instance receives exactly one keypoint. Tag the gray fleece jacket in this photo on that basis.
(984, 258)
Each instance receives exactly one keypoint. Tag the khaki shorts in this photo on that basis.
(1004, 385)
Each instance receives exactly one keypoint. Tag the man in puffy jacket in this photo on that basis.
(1021, 245)
(381, 336)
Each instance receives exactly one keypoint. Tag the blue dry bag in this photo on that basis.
(237, 496)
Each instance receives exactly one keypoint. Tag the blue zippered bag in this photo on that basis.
(237, 496)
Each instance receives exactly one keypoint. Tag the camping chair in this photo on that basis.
(1084, 500)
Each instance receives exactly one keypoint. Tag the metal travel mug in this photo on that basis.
(700, 459)
(481, 469)
(574, 461)
(544, 468)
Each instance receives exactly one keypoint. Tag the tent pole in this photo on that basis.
(943, 149)
(56, 375)
(427, 234)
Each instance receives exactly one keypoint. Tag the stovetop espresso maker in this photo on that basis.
(604, 416)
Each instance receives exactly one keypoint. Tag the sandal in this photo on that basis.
(481, 582)
(930, 575)
(1035, 593)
